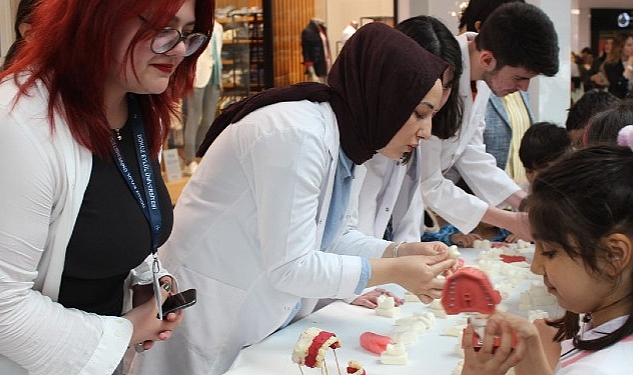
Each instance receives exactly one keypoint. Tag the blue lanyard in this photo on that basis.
(151, 207)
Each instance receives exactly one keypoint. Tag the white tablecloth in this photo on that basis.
(433, 354)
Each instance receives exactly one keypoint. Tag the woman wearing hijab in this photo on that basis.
(261, 229)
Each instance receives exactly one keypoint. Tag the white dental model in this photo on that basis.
(387, 307)
(453, 252)
(396, 354)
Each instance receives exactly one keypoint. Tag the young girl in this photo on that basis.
(580, 212)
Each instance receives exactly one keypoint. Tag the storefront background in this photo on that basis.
(286, 19)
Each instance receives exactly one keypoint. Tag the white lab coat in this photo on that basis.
(467, 153)
(247, 232)
(389, 189)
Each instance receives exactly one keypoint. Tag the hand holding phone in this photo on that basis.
(179, 301)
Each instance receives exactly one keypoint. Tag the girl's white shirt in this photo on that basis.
(613, 360)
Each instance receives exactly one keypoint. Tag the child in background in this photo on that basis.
(589, 104)
(604, 126)
(580, 215)
(541, 144)
(452, 236)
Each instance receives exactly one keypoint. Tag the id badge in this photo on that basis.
(156, 283)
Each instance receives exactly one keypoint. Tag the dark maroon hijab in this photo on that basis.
(376, 82)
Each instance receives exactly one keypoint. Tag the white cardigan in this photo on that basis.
(247, 232)
(45, 177)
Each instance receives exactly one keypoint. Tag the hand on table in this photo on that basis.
(465, 240)
(511, 238)
(370, 299)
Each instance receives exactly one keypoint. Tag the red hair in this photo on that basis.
(70, 50)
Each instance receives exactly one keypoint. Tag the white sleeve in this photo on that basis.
(479, 169)
(142, 274)
(454, 205)
(41, 335)
(355, 243)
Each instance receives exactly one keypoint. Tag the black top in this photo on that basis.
(618, 85)
(111, 234)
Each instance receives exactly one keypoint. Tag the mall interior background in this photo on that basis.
(283, 21)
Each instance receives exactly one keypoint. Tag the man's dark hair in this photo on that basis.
(543, 143)
(479, 10)
(589, 104)
(521, 35)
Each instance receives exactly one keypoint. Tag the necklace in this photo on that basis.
(588, 316)
(118, 133)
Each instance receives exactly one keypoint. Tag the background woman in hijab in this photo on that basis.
(391, 189)
(261, 229)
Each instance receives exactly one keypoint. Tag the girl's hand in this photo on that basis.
(370, 299)
(519, 324)
(491, 360)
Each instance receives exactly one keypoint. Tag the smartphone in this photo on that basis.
(179, 301)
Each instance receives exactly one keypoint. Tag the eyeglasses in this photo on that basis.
(167, 38)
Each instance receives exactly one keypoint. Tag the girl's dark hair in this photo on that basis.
(435, 37)
(578, 201)
(604, 126)
(23, 15)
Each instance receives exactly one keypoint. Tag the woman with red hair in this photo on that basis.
(84, 110)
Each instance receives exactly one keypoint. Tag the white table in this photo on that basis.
(434, 354)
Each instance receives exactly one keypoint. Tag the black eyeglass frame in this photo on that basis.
(182, 37)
